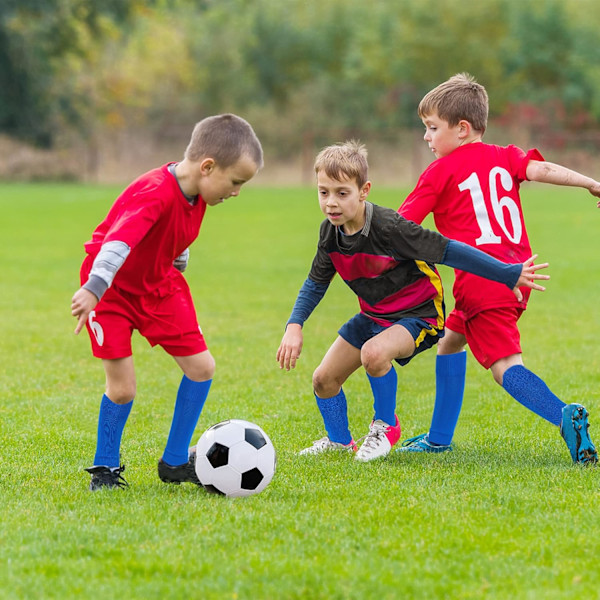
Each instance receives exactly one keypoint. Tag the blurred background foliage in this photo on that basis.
(74, 73)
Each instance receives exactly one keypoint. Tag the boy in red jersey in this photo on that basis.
(388, 262)
(131, 279)
(473, 192)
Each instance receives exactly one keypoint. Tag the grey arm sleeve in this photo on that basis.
(110, 259)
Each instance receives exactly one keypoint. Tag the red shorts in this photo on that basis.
(165, 317)
(492, 334)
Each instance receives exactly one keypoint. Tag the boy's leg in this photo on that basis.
(114, 411)
(340, 361)
(377, 355)
(533, 393)
(176, 464)
(450, 374)
(494, 339)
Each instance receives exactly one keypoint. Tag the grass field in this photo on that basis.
(506, 515)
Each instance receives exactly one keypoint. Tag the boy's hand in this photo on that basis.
(595, 191)
(82, 304)
(290, 347)
(528, 274)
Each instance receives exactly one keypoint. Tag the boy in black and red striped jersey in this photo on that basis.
(388, 262)
(473, 192)
(132, 279)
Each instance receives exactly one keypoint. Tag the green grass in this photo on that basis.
(504, 516)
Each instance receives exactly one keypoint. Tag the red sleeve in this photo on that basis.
(520, 159)
(421, 201)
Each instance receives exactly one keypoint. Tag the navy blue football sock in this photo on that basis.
(450, 373)
(188, 406)
(334, 411)
(384, 396)
(528, 389)
(111, 422)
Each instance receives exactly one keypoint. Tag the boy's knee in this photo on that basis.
(201, 368)
(121, 393)
(373, 360)
(324, 386)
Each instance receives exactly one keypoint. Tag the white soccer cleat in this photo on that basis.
(326, 445)
(379, 441)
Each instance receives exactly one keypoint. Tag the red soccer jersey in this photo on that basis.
(473, 194)
(154, 218)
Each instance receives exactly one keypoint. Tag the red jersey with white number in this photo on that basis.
(473, 194)
(154, 218)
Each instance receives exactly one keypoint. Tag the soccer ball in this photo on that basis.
(235, 458)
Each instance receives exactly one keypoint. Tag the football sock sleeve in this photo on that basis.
(334, 411)
(450, 373)
(384, 396)
(111, 422)
(191, 397)
(528, 389)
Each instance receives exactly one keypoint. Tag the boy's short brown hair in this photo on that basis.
(346, 160)
(459, 98)
(224, 138)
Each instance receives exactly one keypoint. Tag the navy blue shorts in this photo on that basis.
(360, 328)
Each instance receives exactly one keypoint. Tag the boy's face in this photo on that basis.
(342, 202)
(216, 184)
(441, 137)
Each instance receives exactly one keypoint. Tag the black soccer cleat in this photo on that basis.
(106, 477)
(179, 473)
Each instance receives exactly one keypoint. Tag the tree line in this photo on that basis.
(69, 68)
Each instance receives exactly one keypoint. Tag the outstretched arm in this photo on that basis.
(466, 258)
(547, 172)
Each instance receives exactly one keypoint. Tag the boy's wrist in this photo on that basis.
(96, 285)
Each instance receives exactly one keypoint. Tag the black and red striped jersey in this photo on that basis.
(389, 265)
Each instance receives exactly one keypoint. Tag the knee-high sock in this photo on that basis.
(334, 411)
(450, 373)
(111, 422)
(188, 406)
(384, 396)
(528, 389)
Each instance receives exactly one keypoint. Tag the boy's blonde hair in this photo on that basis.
(224, 138)
(346, 160)
(459, 98)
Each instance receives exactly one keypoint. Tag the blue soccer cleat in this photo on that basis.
(421, 443)
(574, 430)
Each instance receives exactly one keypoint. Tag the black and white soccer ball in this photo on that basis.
(235, 458)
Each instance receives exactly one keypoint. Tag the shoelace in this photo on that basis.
(113, 476)
(376, 433)
(412, 440)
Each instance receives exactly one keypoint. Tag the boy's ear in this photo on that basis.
(364, 192)
(207, 165)
(464, 128)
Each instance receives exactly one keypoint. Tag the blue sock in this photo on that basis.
(384, 396)
(450, 373)
(334, 411)
(528, 389)
(111, 422)
(188, 406)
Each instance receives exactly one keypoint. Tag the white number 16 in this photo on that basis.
(488, 236)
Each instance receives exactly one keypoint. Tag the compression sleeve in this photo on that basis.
(309, 296)
(109, 260)
(466, 258)
(181, 262)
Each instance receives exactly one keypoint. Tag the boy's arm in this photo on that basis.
(466, 258)
(547, 172)
(109, 260)
(309, 296)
